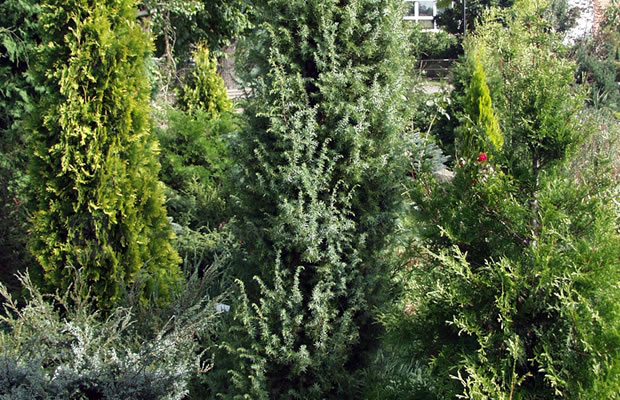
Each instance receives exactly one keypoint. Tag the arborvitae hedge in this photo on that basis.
(94, 162)
(323, 163)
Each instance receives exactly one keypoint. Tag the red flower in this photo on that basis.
(482, 157)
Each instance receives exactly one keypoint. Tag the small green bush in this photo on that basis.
(434, 45)
(598, 61)
(481, 132)
(18, 39)
(205, 89)
(196, 163)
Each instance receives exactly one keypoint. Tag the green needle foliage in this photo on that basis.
(94, 162)
(57, 347)
(517, 296)
(195, 161)
(323, 164)
(598, 59)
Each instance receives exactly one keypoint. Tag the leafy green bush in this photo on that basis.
(98, 203)
(598, 60)
(434, 45)
(451, 19)
(18, 39)
(195, 157)
(183, 23)
(513, 290)
(481, 127)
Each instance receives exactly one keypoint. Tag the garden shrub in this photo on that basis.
(434, 45)
(196, 164)
(451, 19)
(598, 60)
(516, 295)
(195, 157)
(322, 163)
(184, 23)
(205, 89)
(481, 131)
(62, 347)
(97, 200)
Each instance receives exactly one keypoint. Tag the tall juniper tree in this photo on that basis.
(94, 163)
(320, 192)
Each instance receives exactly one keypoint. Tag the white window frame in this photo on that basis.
(419, 18)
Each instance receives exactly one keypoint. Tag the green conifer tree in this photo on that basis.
(205, 90)
(482, 132)
(320, 194)
(518, 296)
(94, 161)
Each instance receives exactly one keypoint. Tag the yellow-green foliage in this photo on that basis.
(485, 133)
(205, 90)
(94, 161)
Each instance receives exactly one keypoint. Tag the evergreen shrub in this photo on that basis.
(598, 60)
(62, 347)
(451, 18)
(515, 294)
(18, 38)
(196, 163)
(216, 23)
(434, 45)
(322, 160)
(205, 89)
(97, 200)
(481, 132)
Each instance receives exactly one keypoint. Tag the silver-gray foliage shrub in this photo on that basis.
(57, 347)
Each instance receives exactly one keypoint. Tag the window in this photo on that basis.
(422, 12)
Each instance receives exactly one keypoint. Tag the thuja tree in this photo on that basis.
(195, 162)
(195, 157)
(205, 89)
(321, 177)
(94, 162)
(480, 131)
(517, 297)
